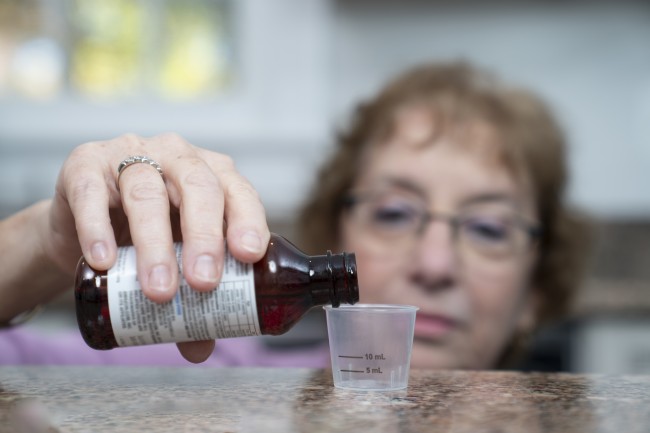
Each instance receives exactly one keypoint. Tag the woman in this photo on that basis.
(447, 187)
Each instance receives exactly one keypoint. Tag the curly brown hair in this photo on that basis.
(531, 146)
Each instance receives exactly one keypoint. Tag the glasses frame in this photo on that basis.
(532, 231)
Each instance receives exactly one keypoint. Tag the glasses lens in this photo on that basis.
(488, 235)
(390, 221)
(494, 231)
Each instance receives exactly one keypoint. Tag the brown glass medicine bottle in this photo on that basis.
(268, 297)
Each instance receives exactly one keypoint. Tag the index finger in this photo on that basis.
(85, 191)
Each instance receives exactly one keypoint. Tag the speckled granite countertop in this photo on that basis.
(119, 399)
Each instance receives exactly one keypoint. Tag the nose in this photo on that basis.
(436, 256)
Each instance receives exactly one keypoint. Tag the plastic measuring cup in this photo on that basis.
(370, 345)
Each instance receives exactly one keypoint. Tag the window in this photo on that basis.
(115, 49)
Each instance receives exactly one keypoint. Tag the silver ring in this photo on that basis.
(134, 160)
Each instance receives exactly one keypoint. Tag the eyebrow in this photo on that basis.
(476, 199)
(401, 183)
(490, 197)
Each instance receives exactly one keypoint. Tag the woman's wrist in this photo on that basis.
(29, 276)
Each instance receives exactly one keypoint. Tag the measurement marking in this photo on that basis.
(352, 371)
(353, 357)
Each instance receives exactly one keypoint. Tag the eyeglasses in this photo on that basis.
(395, 221)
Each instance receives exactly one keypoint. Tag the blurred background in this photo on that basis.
(268, 82)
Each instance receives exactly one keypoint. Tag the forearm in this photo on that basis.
(27, 276)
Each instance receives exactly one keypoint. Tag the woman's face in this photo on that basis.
(466, 265)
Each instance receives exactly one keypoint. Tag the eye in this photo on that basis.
(486, 230)
(394, 216)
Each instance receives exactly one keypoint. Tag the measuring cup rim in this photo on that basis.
(374, 308)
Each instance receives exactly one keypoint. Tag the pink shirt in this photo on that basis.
(25, 347)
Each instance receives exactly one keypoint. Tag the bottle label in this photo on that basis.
(228, 311)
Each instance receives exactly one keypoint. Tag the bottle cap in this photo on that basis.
(343, 271)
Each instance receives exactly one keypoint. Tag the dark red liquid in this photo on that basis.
(288, 283)
(93, 317)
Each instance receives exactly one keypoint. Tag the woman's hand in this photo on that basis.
(199, 195)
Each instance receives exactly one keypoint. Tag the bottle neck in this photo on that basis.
(333, 279)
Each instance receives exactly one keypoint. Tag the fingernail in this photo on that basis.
(99, 251)
(251, 241)
(205, 268)
(160, 278)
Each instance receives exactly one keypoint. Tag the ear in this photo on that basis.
(531, 301)
(527, 319)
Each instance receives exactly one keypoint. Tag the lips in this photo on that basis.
(433, 326)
